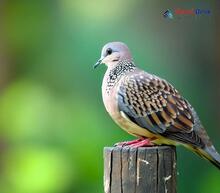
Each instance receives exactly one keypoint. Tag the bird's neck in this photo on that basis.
(113, 74)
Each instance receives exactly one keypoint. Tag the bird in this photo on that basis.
(149, 107)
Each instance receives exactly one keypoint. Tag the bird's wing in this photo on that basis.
(154, 104)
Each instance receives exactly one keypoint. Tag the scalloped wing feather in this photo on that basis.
(154, 104)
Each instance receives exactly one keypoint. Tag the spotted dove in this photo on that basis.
(149, 107)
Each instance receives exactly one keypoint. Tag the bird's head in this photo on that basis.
(112, 53)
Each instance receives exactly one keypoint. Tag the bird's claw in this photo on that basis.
(135, 143)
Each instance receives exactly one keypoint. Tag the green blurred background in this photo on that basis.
(52, 119)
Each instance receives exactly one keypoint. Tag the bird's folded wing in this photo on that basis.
(154, 104)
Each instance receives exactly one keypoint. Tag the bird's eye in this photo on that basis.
(109, 51)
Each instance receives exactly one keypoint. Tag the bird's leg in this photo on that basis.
(143, 143)
(128, 143)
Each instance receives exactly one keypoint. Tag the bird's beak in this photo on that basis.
(98, 62)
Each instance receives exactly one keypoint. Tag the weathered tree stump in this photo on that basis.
(140, 170)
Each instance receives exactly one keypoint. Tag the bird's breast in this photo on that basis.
(109, 96)
(110, 101)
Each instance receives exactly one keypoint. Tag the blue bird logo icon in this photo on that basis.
(168, 14)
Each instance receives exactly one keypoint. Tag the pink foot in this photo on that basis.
(127, 143)
(142, 143)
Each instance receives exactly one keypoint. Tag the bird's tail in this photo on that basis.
(211, 155)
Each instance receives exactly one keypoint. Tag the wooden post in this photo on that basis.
(140, 170)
